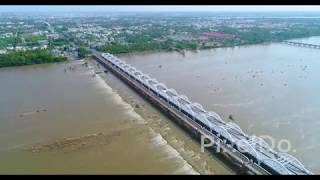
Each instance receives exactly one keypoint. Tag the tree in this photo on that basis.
(83, 52)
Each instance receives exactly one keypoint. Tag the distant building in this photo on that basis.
(36, 33)
(217, 35)
(203, 38)
(55, 52)
(213, 44)
(52, 36)
(20, 48)
(10, 48)
(43, 42)
(23, 41)
(44, 47)
(3, 51)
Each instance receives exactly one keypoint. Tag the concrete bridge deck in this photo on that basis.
(315, 46)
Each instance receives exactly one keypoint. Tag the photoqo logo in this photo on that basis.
(252, 146)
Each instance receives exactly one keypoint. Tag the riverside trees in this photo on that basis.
(29, 57)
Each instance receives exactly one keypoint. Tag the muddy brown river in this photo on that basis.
(271, 90)
(63, 119)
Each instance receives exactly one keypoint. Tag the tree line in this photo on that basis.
(168, 45)
(20, 58)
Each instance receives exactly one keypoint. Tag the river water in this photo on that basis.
(271, 90)
(57, 119)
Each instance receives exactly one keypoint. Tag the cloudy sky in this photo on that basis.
(139, 8)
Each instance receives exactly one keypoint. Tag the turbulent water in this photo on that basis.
(270, 90)
(61, 119)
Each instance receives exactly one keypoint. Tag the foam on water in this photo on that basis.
(157, 140)
(186, 170)
(105, 88)
(236, 104)
(170, 153)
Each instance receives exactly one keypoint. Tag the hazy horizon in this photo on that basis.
(155, 8)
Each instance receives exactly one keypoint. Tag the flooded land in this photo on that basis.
(75, 119)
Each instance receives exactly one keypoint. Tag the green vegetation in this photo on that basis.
(5, 41)
(150, 32)
(29, 57)
(59, 42)
(169, 45)
(258, 35)
(176, 33)
(83, 52)
(33, 40)
(148, 42)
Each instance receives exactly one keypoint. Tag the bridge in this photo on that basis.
(251, 154)
(315, 46)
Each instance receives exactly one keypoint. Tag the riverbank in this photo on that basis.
(30, 57)
(181, 47)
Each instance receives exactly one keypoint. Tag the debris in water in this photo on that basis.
(231, 117)
(75, 143)
(32, 112)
